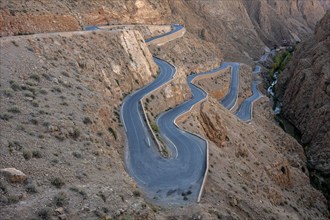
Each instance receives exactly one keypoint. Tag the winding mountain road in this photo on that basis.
(178, 179)
(244, 111)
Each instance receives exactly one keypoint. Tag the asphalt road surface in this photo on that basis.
(244, 111)
(173, 180)
(175, 28)
(229, 101)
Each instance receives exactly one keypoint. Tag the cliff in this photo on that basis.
(305, 92)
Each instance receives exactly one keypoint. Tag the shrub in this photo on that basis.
(12, 199)
(65, 74)
(76, 133)
(80, 191)
(43, 91)
(76, 154)
(87, 120)
(3, 187)
(103, 197)
(31, 188)
(36, 154)
(114, 134)
(100, 133)
(14, 109)
(34, 121)
(7, 92)
(15, 86)
(35, 77)
(154, 127)
(136, 193)
(27, 155)
(60, 199)
(58, 182)
(45, 213)
(5, 117)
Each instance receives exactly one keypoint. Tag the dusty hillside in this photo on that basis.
(304, 89)
(60, 100)
(256, 170)
(61, 95)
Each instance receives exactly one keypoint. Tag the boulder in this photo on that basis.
(13, 175)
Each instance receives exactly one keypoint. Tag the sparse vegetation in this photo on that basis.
(114, 134)
(36, 154)
(103, 197)
(60, 199)
(58, 182)
(15, 86)
(27, 155)
(76, 133)
(77, 155)
(35, 77)
(3, 187)
(45, 213)
(136, 193)
(31, 188)
(80, 191)
(154, 127)
(5, 117)
(87, 120)
(14, 109)
(280, 61)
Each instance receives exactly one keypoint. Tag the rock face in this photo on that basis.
(281, 20)
(212, 125)
(13, 175)
(304, 88)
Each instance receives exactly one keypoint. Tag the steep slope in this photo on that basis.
(305, 91)
(276, 21)
(60, 96)
(60, 102)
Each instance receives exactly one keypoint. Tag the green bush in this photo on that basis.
(154, 127)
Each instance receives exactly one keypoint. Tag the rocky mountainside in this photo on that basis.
(304, 88)
(239, 28)
(61, 94)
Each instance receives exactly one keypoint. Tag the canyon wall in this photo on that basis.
(304, 88)
(239, 28)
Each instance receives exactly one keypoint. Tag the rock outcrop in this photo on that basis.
(13, 175)
(304, 88)
(212, 125)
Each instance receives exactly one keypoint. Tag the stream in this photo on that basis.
(271, 90)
